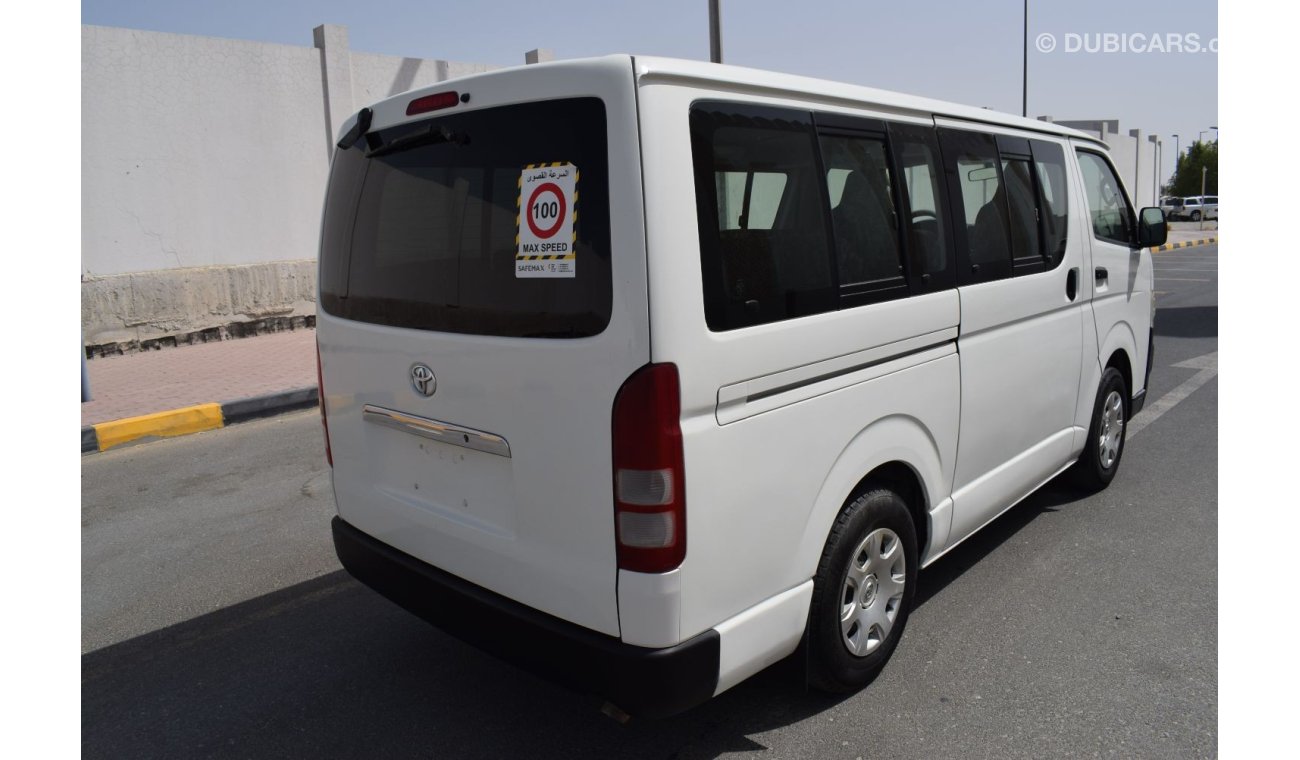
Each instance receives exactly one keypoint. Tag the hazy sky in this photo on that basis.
(969, 52)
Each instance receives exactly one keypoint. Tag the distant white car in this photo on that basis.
(1200, 206)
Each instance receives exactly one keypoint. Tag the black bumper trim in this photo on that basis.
(1138, 403)
(640, 681)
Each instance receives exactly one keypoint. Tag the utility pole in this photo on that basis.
(1024, 79)
(715, 31)
(1204, 169)
(1155, 169)
(1177, 155)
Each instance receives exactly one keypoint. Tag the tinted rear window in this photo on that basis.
(427, 236)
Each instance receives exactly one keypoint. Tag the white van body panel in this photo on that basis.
(649, 607)
(761, 635)
(1122, 305)
(1021, 346)
(1091, 363)
(738, 538)
(537, 526)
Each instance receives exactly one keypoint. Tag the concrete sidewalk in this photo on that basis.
(190, 388)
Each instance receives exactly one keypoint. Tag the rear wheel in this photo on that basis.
(1196, 216)
(863, 591)
(1099, 461)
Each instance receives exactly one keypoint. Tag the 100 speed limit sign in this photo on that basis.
(548, 200)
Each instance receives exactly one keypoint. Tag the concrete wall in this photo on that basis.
(204, 164)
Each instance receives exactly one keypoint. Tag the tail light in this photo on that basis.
(649, 473)
(320, 399)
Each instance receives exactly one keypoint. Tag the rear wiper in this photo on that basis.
(432, 135)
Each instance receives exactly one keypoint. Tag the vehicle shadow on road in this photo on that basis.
(1188, 322)
(327, 668)
(948, 568)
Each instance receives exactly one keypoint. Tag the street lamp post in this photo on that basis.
(1024, 80)
(1155, 167)
(1177, 154)
(715, 31)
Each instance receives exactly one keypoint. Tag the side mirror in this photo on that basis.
(1152, 230)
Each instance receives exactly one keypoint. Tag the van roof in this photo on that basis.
(739, 79)
(759, 81)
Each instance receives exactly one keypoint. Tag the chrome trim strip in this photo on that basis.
(757, 388)
(435, 430)
(763, 394)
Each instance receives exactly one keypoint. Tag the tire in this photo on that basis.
(1104, 448)
(1196, 216)
(876, 530)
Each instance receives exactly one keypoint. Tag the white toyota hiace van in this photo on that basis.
(646, 373)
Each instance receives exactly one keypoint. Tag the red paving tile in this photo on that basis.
(156, 381)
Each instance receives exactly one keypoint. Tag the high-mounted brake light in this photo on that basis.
(649, 471)
(320, 399)
(432, 102)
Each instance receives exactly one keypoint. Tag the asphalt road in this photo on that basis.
(216, 623)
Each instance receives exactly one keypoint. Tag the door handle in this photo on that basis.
(1102, 275)
(1072, 283)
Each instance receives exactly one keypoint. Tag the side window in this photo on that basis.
(980, 201)
(1049, 161)
(1108, 208)
(765, 249)
(863, 217)
(916, 154)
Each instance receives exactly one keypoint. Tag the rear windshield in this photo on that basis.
(470, 223)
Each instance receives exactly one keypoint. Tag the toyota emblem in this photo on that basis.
(422, 379)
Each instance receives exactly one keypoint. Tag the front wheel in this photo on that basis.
(1196, 216)
(1099, 461)
(862, 592)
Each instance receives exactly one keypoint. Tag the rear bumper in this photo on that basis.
(640, 681)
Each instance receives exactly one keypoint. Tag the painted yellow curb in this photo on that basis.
(1185, 244)
(190, 419)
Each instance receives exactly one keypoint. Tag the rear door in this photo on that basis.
(482, 300)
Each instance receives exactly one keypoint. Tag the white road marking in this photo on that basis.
(1208, 366)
